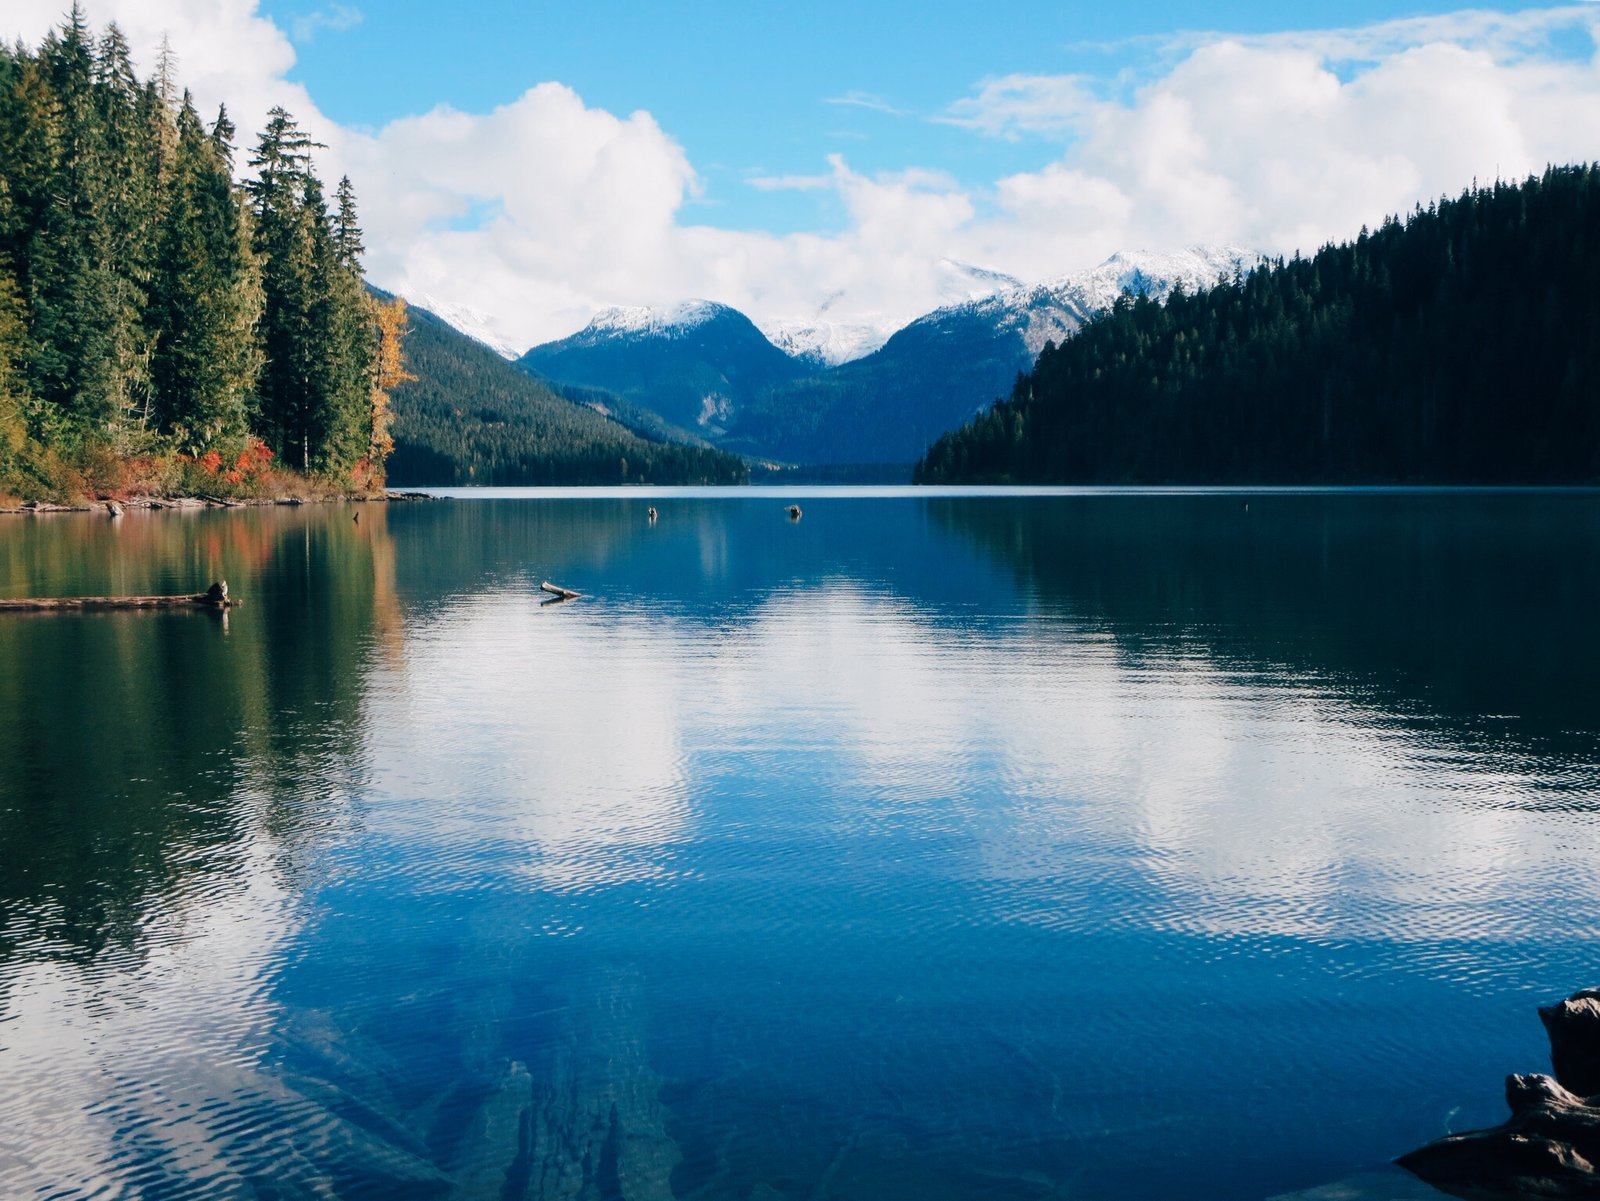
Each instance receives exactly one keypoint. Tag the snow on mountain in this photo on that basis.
(963, 281)
(641, 320)
(475, 323)
(1055, 309)
(825, 343)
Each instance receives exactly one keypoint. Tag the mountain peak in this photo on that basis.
(643, 320)
(1055, 309)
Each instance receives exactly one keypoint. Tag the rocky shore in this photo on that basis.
(114, 507)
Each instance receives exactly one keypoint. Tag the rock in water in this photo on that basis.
(1550, 1145)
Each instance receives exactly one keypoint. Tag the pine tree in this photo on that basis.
(133, 218)
(342, 400)
(72, 290)
(208, 299)
(286, 233)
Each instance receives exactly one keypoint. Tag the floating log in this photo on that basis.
(215, 597)
(559, 591)
(1550, 1145)
(113, 508)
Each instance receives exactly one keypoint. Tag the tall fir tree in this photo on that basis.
(73, 291)
(346, 424)
(286, 237)
(133, 218)
(208, 298)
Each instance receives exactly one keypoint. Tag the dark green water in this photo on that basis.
(1094, 846)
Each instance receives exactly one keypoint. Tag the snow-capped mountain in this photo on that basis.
(475, 323)
(932, 375)
(1056, 309)
(824, 343)
(819, 391)
(641, 321)
(693, 363)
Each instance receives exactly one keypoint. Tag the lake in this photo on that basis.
(934, 845)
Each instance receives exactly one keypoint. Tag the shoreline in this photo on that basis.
(152, 503)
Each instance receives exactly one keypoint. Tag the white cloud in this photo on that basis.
(1017, 104)
(336, 17)
(867, 100)
(544, 209)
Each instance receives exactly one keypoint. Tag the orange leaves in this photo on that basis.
(389, 371)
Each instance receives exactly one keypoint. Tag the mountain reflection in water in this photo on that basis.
(930, 847)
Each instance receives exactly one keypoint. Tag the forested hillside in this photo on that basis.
(470, 417)
(1461, 346)
(160, 325)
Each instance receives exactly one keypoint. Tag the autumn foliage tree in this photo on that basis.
(389, 372)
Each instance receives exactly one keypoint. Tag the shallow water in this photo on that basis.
(931, 846)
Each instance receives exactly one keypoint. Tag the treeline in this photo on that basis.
(1461, 346)
(154, 314)
(470, 417)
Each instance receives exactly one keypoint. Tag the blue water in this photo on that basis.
(1082, 845)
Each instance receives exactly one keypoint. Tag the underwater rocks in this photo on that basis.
(1550, 1145)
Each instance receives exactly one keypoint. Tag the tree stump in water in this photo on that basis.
(1550, 1145)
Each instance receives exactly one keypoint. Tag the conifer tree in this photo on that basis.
(132, 220)
(208, 297)
(72, 290)
(286, 233)
(344, 337)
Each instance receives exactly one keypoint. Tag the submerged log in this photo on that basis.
(215, 597)
(1550, 1145)
(558, 591)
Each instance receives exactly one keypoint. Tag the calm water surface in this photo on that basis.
(1075, 846)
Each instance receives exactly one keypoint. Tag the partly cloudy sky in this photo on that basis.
(535, 162)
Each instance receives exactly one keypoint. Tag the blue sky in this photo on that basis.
(522, 166)
(772, 89)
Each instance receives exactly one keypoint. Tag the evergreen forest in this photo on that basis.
(162, 325)
(1459, 346)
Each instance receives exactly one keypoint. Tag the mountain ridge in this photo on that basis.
(703, 373)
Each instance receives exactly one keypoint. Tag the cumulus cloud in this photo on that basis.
(544, 209)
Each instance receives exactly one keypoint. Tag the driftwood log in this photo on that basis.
(215, 597)
(559, 592)
(1550, 1145)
